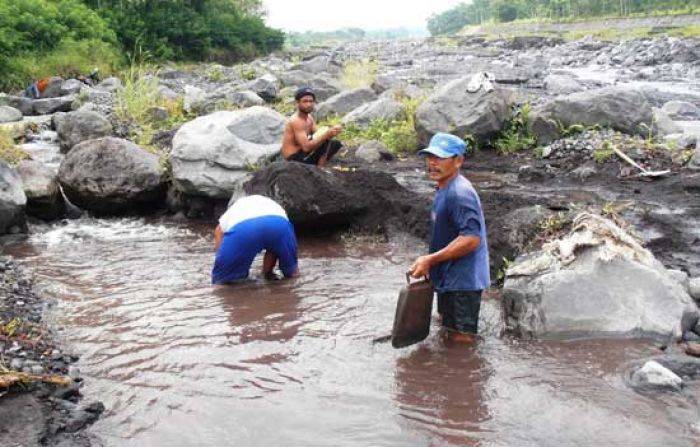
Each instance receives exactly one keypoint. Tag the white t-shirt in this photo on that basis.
(249, 207)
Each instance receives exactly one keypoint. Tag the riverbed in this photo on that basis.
(179, 362)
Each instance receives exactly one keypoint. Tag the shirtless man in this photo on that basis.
(299, 143)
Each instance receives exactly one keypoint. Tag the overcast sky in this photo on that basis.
(327, 15)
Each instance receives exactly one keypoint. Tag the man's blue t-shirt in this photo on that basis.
(457, 211)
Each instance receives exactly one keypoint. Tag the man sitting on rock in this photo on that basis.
(458, 263)
(299, 143)
(250, 225)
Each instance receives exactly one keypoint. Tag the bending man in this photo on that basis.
(250, 225)
(299, 143)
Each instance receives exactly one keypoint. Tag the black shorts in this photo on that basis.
(460, 310)
(330, 147)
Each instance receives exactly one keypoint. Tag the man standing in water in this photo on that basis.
(299, 143)
(458, 263)
(250, 225)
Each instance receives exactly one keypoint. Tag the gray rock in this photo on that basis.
(319, 64)
(158, 114)
(16, 364)
(212, 154)
(595, 281)
(12, 199)
(655, 376)
(40, 184)
(663, 125)
(52, 105)
(691, 182)
(168, 93)
(453, 109)
(245, 98)
(387, 109)
(372, 151)
(694, 288)
(544, 127)
(680, 277)
(53, 89)
(194, 99)
(620, 108)
(322, 87)
(20, 103)
(112, 176)
(585, 171)
(111, 85)
(561, 85)
(79, 126)
(681, 110)
(9, 114)
(266, 86)
(344, 102)
(71, 87)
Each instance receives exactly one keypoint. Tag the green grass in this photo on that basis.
(134, 102)
(604, 152)
(358, 73)
(9, 151)
(399, 136)
(516, 135)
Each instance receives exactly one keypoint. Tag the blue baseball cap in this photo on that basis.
(445, 145)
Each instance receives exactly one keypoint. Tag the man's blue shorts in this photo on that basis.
(246, 239)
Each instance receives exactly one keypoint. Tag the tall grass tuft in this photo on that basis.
(9, 151)
(134, 104)
(358, 73)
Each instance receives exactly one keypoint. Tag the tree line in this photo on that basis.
(64, 35)
(476, 12)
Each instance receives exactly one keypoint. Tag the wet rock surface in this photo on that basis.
(111, 176)
(325, 200)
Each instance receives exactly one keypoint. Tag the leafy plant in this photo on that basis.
(517, 134)
(603, 153)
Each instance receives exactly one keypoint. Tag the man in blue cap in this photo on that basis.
(458, 263)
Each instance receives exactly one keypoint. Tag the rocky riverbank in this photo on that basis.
(41, 400)
(547, 125)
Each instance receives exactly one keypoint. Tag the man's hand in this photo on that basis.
(335, 131)
(421, 267)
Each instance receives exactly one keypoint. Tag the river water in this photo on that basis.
(178, 362)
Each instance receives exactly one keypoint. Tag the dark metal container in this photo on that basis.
(413, 312)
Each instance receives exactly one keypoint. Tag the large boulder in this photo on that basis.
(318, 200)
(681, 110)
(319, 64)
(194, 99)
(266, 86)
(344, 102)
(386, 109)
(212, 154)
(9, 114)
(620, 108)
(76, 127)
(561, 85)
(52, 105)
(21, 103)
(455, 110)
(322, 87)
(53, 88)
(12, 200)
(596, 281)
(71, 87)
(40, 185)
(111, 176)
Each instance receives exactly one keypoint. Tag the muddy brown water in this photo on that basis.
(178, 362)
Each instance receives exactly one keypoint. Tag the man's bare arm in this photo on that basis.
(302, 139)
(218, 236)
(459, 247)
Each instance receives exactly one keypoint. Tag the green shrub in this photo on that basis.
(517, 135)
(399, 136)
